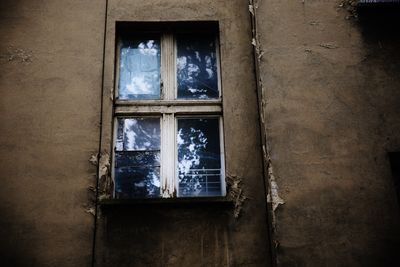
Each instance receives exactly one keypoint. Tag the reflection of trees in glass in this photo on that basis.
(197, 67)
(198, 156)
(138, 134)
(134, 182)
(137, 158)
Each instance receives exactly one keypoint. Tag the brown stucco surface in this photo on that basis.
(205, 235)
(50, 80)
(51, 75)
(331, 88)
(330, 101)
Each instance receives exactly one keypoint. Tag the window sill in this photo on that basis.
(177, 202)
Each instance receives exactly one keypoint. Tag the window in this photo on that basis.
(168, 139)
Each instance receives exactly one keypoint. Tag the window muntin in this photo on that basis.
(153, 170)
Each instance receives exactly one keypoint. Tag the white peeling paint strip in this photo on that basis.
(273, 195)
(90, 210)
(273, 190)
(104, 165)
(168, 156)
(251, 9)
(93, 160)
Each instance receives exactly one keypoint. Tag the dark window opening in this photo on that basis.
(394, 158)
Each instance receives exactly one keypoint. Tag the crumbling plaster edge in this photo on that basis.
(271, 187)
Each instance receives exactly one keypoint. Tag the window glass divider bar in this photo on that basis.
(222, 155)
(167, 66)
(168, 156)
(142, 110)
(168, 102)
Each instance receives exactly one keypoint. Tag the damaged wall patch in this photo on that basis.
(235, 193)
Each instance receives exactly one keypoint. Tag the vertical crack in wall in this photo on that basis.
(271, 188)
(103, 159)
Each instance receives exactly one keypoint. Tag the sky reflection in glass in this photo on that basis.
(139, 69)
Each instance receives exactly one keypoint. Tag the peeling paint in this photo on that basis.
(93, 160)
(91, 210)
(105, 185)
(90, 207)
(273, 199)
(235, 193)
(17, 55)
(351, 7)
(251, 9)
(273, 194)
(105, 181)
(112, 93)
(328, 46)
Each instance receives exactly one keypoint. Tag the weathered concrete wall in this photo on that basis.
(50, 80)
(209, 235)
(332, 98)
(51, 58)
(330, 87)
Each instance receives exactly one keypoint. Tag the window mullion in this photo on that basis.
(168, 66)
(168, 156)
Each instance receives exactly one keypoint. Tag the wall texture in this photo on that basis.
(195, 235)
(50, 80)
(331, 93)
(330, 106)
(51, 77)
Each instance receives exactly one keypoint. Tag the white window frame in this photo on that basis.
(169, 109)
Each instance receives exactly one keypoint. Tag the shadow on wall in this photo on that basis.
(380, 28)
(15, 244)
(380, 22)
(162, 235)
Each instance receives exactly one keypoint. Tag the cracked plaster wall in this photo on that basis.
(196, 235)
(331, 111)
(50, 79)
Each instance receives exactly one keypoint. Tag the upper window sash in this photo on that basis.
(168, 67)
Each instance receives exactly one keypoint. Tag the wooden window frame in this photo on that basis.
(168, 108)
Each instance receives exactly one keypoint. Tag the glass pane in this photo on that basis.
(197, 73)
(138, 134)
(137, 182)
(199, 159)
(139, 69)
(137, 158)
